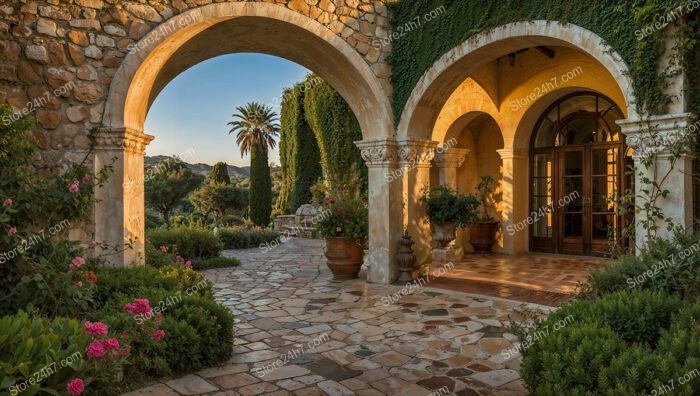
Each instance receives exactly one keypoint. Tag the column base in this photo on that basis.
(451, 253)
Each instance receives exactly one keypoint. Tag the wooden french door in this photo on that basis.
(586, 198)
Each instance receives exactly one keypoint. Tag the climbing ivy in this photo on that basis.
(299, 153)
(336, 130)
(615, 21)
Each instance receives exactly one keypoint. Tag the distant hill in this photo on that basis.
(234, 172)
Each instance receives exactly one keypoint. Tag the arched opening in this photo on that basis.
(577, 163)
(206, 32)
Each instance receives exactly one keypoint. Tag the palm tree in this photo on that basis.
(256, 127)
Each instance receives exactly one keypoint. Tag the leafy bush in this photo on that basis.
(212, 322)
(671, 267)
(241, 238)
(43, 356)
(627, 342)
(153, 219)
(231, 220)
(189, 242)
(183, 349)
(445, 205)
(216, 262)
(565, 361)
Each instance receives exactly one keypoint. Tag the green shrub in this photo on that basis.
(231, 220)
(213, 323)
(189, 242)
(145, 279)
(216, 262)
(183, 346)
(28, 345)
(660, 267)
(240, 238)
(567, 361)
(153, 219)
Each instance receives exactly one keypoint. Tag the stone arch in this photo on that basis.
(437, 84)
(202, 33)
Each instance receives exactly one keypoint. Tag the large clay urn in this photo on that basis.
(444, 234)
(482, 236)
(344, 256)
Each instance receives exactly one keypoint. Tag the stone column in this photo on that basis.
(514, 199)
(119, 212)
(652, 140)
(380, 155)
(414, 162)
(448, 161)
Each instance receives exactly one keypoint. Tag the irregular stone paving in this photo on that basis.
(339, 338)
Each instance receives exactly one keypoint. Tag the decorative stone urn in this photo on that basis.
(405, 258)
(444, 234)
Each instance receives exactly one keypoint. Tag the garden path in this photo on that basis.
(342, 338)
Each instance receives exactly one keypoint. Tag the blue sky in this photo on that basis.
(193, 110)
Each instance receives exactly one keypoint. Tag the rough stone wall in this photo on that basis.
(58, 57)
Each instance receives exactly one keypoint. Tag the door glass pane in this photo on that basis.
(604, 223)
(604, 161)
(572, 162)
(573, 225)
(604, 193)
(542, 216)
(571, 200)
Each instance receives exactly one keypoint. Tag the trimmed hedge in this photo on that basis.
(241, 238)
(216, 262)
(624, 343)
(189, 242)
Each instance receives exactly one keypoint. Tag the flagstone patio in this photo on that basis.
(341, 338)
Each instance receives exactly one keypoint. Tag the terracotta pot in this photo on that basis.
(444, 234)
(482, 236)
(344, 256)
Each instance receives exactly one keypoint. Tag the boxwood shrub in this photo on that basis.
(189, 242)
(241, 238)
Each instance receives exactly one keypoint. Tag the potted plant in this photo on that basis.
(447, 209)
(343, 222)
(482, 234)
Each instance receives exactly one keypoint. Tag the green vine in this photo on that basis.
(617, 22)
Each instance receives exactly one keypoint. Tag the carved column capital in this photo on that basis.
(451, 158)
(122, 139)
(656, 135)
(416, 151)
(511, 153)
(378, 152)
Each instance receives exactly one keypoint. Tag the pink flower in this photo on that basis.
(347, 221)
(93, 278)
(73, 188)
(164, 249)
(95, 329)
(71, 267)
(95, 350)
(139, 306)
(79, 284)
(7, 202)
(78, 261)
(332, 201)
(12, 231)
(86, 179)
(110, 343)
(188, 264)
(158, 335)
(75, 387)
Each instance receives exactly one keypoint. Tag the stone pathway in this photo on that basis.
(300, 333)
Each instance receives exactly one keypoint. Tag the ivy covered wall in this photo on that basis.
(299, 153)
(336, 130)
(616, 21)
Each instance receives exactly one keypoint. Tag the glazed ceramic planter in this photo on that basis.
(482, 236)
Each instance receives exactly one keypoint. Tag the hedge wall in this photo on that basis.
(299, 152)
(616, 21)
